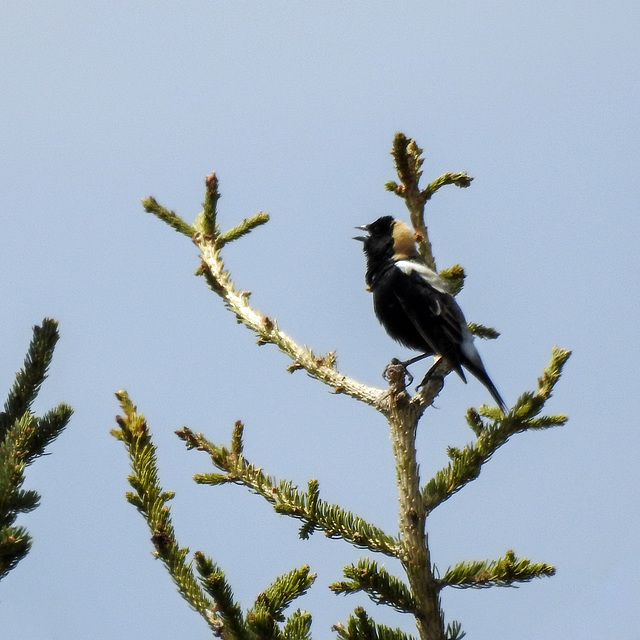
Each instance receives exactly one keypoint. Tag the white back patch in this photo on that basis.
(411, 266)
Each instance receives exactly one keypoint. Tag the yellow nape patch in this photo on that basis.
(404, 242)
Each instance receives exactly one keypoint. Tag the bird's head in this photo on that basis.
(388, 238)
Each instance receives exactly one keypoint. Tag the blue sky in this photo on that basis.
(294, 105)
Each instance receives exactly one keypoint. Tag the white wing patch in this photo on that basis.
(409, 267)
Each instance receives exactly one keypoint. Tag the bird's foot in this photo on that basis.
(396, 372)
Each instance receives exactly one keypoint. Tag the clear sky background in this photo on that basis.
(294, 105)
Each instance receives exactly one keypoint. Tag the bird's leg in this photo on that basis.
(422, 356)
(428, 374)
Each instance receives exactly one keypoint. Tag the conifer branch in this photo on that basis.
(466, 463)
(23, 438)
(210, 240)
(312, 502)
(270, 604)
(229, 622)
(414, 553)
(430, 390)
(504, 572)
(247, 225)
(287, 500)
(459, 179)
(151, 205)
(237, 444)
(297, 626)
(361, 627)
(13, 457)
(377, 583)
(454, 277)
(408, 160)
(480, 331)
(209, 224)
(320, 367)
(48, 428)
(454, 631)
(29, 379)
(336, 522)
(152, 502)
(15, 542)
(225, 618)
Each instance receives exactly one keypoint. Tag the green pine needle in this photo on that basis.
(282, 592)
(151, 501)
(467, 462)
(474, 420)
(216, 585)
(298, 626)
(261, 625)
(48, 428)
(15, 543)
(287, 500)
(313, 497)
(454, 631)
(377, 583)
(459, 179)
(454, 277)
(246, 226)
(151, 205)
(408, 160)
(393, 186)
(337, 523)
(212, 478)
(206, 221)
(211, 197)
(23, 438)
(236, 439)
(553, 371)
(504, 572)
(361, 627)
(479, 330)
(29, 379)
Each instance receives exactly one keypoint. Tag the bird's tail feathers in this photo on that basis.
(458, 369)
(481, 374)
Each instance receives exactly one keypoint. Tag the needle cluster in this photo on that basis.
(24, 437)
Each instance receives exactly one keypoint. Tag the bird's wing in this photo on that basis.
(433, 311)
(439, 320)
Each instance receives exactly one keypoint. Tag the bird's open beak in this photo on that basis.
(362, 228)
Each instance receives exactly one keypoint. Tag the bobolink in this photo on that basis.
(413, 303)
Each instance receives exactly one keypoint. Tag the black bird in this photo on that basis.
(414, 304)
